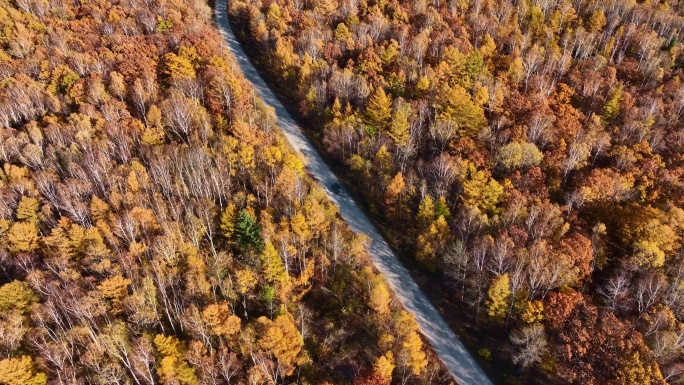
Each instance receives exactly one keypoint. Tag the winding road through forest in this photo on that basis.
(442, 339)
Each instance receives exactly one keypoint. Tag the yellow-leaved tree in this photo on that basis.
(281, 339)
(456, 106)
(228, 218)
(23, 237)
(272, 265)
(431, 242)
(182, 66)
(498, 297)
(16, 296)
(220, 319)
(28, 209)
(378, 295)
(395, 189)
(384, 366)
(399, 127)
(635, 369)
(532, 311)
(480, 189)
(426, 210)
(20, 371)
(411, 355)
(379, 110)
(115, 289)
(300, 227)
(173, 369)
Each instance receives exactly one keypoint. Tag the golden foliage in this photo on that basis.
(384, 366)
(220, 319)
(412, 353)
(173, 369)
(499, 297)
(16, 295)
(281, 339)
(115, 289)
(28, 209)
(20, 371)
(23, 237)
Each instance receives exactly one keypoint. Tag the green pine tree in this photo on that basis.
(247, 231)
(441, 208)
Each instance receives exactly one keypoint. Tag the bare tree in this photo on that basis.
(530, 343)
(615, 291)
(648, 291)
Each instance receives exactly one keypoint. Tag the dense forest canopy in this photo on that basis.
(530, 153)
(154, 226)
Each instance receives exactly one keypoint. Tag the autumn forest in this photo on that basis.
(525, 158)
(155, 228)
(527, 155)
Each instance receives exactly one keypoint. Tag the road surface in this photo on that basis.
(443, 340)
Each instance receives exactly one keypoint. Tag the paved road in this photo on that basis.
(443, 340)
